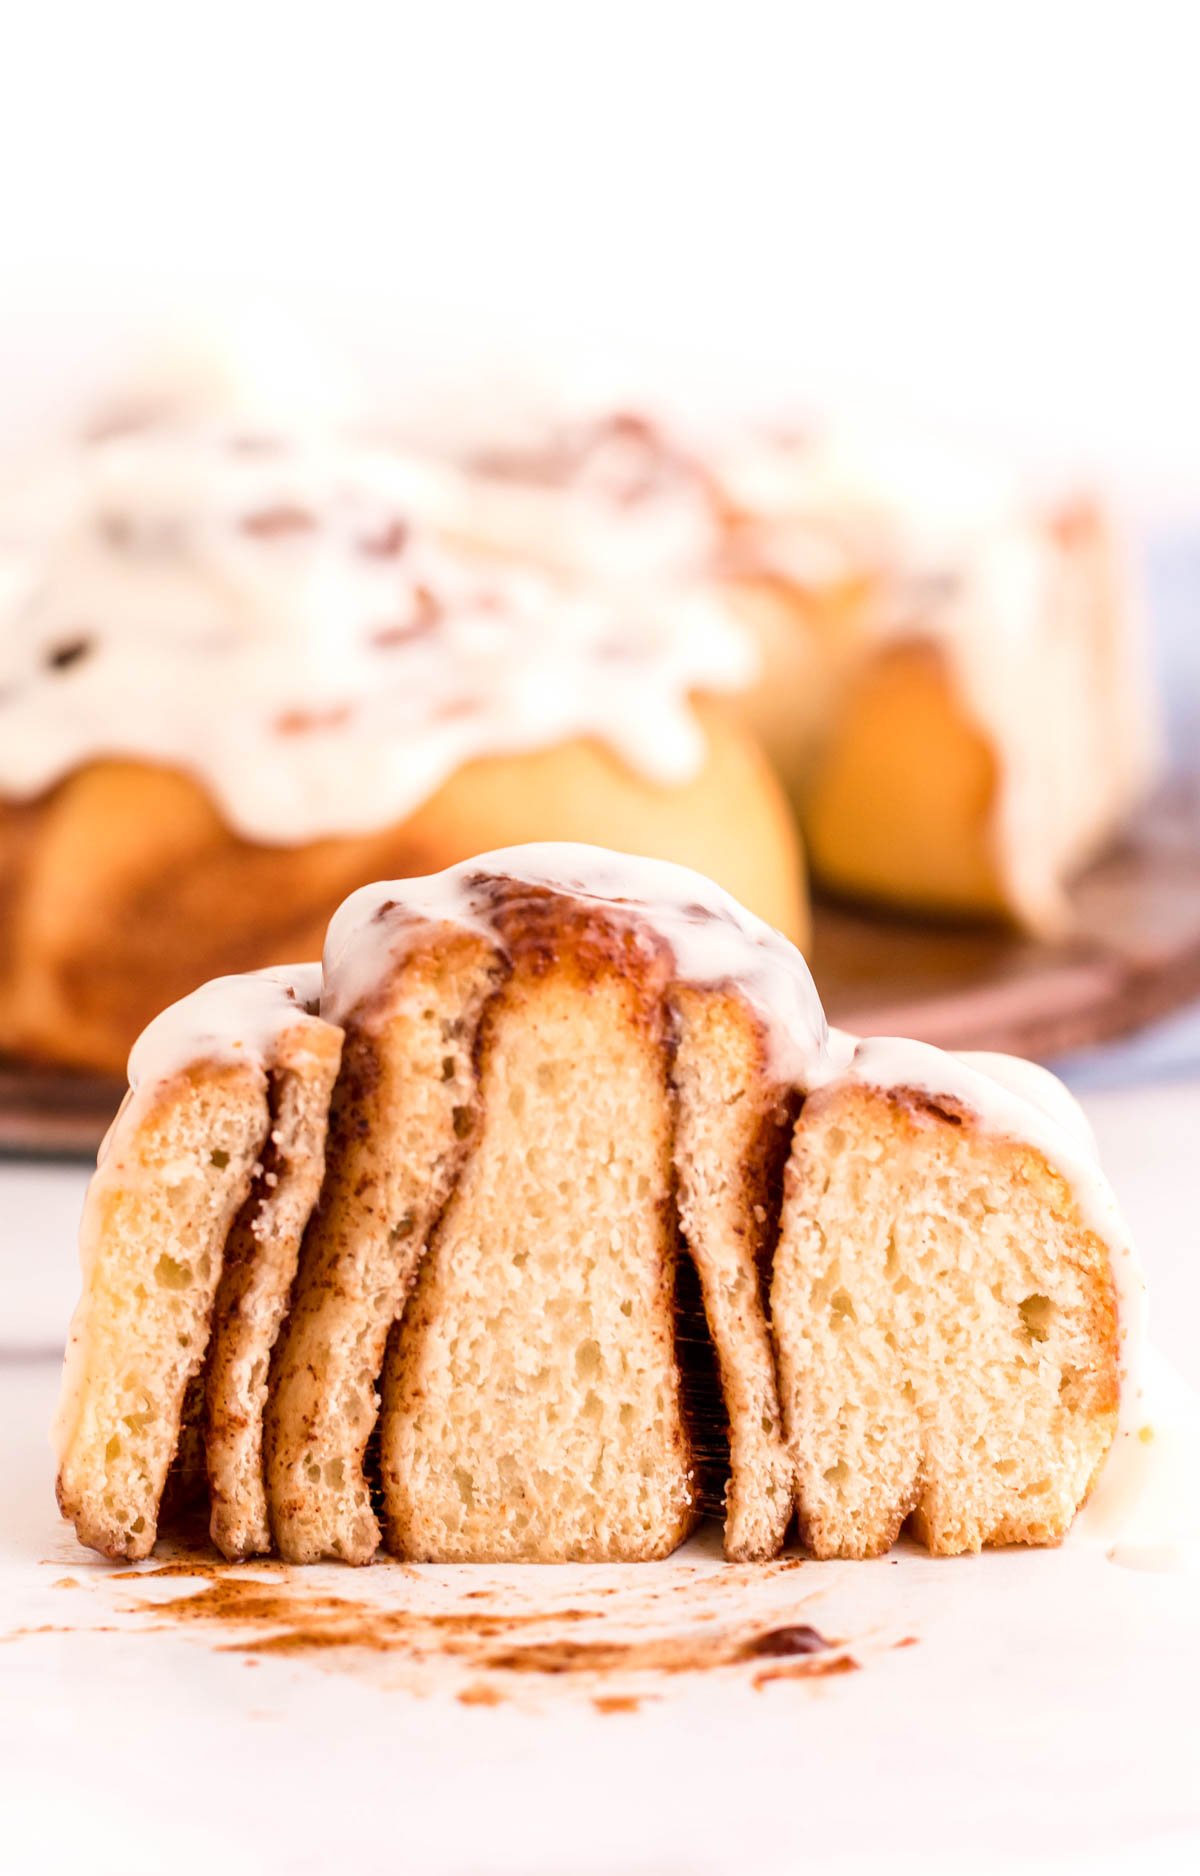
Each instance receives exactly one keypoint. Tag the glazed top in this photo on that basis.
(713, 939)
(229, 1019)
(241, 1016)
(293, 618)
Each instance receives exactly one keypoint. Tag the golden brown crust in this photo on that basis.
(810, 641)
(123, 889)
(916, 779)
(902, 801)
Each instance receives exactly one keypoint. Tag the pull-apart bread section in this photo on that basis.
(532, 1400)
(190, 1235)
(944, 1305)
(403, 1114)
(602, 1207)
(531, 1394)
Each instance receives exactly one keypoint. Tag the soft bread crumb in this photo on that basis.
(399, 1130)
(261, 1258)
(531, 1402)
(155, 1221)
(732, 1132)
(946, 1329)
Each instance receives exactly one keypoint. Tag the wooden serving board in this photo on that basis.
(1134, 955)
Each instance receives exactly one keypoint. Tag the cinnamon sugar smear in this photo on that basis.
(618, 1640)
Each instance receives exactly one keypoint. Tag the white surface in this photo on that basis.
(1046, 1718)
(1048, 1706)
(985, 213)
(40, 1206)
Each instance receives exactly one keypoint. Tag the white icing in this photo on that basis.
(1044, 647)
(229, 1019)
(615, 499)
(274, 615)
(1029, 1081)
(888, 499)
(601, 492)
(712, 937)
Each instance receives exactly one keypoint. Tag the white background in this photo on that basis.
(984, 213)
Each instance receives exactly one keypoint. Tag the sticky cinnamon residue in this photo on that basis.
(480, 1694)
(57, 1628)
(631, 1636)
(684, 1628)
(302, 722)
(807, 1670)
(184, 1566)
(289, 1623)
(269, 524)
(387, 541)
(689, 1652)
(797, 1639)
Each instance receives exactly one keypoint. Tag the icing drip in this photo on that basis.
(230, 1019)
(287, 618)
(1145, 1506)
(712, 937)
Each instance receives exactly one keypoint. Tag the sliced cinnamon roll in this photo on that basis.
(178, 1166)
